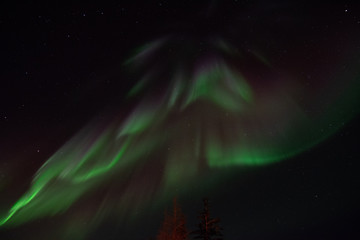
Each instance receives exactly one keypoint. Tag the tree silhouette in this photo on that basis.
(173, 227)
(208, 228)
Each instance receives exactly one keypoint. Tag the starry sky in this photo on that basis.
(67, 70)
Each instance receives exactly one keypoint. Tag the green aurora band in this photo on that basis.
(209, 116)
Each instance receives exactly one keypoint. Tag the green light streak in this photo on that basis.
(20, 204)
(176, 91)
(222, 86)
(101, 170)
(140, 121)
(144, 51)
(139, 86)
(59, 185)
(237, 83)
(89, 154)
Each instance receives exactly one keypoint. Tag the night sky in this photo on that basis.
(252, 104)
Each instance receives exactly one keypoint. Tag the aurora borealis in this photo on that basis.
(189, 112)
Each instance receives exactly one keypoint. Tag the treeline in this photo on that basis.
(174, 225)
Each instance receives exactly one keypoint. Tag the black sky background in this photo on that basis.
(62, 65)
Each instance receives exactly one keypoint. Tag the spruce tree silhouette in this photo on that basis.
(173, 227)
(208, 228)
